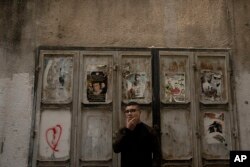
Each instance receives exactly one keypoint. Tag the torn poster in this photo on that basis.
(97, 83)
(135, 85)
(211, 86)
(57, 80)
(214, 126)
(175, 87)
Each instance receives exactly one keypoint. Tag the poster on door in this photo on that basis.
(174, 87)
(135, 85)
(214, 127)
(97, 84)
(57, 80)
(211, 86)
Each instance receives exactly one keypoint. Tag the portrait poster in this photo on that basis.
(174, 87)
(97, 84)
(214, 127)
(57, 80)
(211, 86)
(135, 85)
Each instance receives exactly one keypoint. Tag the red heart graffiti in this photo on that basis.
(56, 133)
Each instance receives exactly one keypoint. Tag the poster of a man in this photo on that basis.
(97, 86)
(135, 85)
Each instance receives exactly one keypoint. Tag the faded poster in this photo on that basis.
(57, 80)
(214, 127)
(97, 84)
(175, 87)
(211, 86)
(135, 85)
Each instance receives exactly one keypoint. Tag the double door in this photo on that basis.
(81, 95)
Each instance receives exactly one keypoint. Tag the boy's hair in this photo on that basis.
(133, 103)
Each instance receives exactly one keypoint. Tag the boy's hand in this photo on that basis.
(131, 123)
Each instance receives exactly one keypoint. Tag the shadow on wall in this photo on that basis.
(12, 15)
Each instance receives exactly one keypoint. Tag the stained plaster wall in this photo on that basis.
(242, 68)
(27, 24)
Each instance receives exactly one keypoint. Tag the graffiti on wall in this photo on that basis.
(97, 83)
(214, 127)
(53, 136)
(211, 85)
(174, 87)
(57, 80)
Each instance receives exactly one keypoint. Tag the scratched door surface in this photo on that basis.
(81, 96)
(80, 103)
(176, 113)
(135, 83)
(96, 109)
(196, 109)
(55, 108)
(215, 108)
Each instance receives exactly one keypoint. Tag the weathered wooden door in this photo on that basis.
(101, 115)
(196, 109)
(81, 95)
(56, 107)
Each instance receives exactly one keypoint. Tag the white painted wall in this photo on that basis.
(15, 117)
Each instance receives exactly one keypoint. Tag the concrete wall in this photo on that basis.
(27, 24)
(17, 45)
(242, 68)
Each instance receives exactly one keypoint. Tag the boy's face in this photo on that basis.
(132, 111)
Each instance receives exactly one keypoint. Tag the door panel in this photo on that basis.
(96, 135)
(136, 77)
(216, 139)
(213, 79)
(97, 69)
(174, 77)
(54, 143)
(176, 134)
(176, 109)
(57, 79)
(215, 109)
(96, 109)
(55, 108)
(81, 96)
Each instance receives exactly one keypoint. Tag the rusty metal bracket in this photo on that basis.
(194, 67)
(34, 134)
(198, 135)
(116, 67)
(38, 68)
(2, 145)
(235, 134)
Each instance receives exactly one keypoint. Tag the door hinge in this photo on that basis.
(194, 66)
(235, 134)
(38, 68)
(34, 134)
(116, 67)
(1, 149)
(198, 135)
